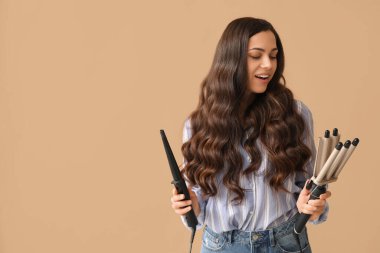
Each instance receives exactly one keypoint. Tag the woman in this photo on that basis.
(249, 148)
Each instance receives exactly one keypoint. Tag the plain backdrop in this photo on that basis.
(85, 87)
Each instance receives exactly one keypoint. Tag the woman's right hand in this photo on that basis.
(182, 206)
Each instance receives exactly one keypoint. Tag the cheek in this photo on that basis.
(251, 68)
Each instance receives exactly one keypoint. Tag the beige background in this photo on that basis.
(86, 85)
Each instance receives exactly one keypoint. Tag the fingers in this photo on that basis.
(183, 210)
(313, 207)
(312, 210)
(180, 205)
(179, 202)
(308, 209)
(304, 191)
(177, 197)
(317, 202)
(307, 185)
(325, 195)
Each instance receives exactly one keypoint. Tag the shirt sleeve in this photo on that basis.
(308, 138)
(196, 188)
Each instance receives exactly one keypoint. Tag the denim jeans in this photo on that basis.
(275, 240)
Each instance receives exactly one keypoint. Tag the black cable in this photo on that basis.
(193, 229)
(298, 240)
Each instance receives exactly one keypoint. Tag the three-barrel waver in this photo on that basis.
(332, 155)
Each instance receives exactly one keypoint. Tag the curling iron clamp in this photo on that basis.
(332, 156)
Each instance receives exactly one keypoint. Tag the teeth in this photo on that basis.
(262, 76)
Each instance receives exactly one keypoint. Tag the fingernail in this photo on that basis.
(309, 184)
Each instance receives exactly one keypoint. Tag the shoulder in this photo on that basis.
(186, 130)
(303, 110)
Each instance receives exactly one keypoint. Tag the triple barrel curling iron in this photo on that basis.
(332, 155)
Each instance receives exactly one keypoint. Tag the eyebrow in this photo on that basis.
(260, 49)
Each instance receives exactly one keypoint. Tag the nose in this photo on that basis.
(266, 63)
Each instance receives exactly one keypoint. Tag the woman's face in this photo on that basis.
(261, 60)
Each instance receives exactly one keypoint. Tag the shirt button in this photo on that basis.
(251, 212)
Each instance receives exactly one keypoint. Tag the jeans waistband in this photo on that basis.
(258, 237)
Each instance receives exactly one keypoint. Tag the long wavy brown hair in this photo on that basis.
(218, 131)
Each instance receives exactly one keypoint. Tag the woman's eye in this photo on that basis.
(258, 57)
(255, 57)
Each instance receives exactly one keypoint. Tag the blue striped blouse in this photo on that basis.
(262, 207)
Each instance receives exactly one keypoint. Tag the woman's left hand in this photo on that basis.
(314, 207)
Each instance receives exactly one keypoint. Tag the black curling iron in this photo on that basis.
(180, 185)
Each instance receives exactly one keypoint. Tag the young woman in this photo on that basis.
(249, 148)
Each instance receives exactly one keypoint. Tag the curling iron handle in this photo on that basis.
(190, 217)
(302, 217)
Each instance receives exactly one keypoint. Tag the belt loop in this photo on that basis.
(271, 238)
(234, 235)
(229, 236)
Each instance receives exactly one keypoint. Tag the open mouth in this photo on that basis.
(262, 77)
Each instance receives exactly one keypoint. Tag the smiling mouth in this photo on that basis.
(262, 77)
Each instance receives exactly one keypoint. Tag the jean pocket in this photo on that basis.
(289, 244)
(213, 241)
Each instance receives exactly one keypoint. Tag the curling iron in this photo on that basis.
(180, 185)
(332, 155)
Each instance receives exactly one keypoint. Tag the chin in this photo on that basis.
(258, 87)
(258, 90)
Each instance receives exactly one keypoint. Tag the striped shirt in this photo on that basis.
(262, 207)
